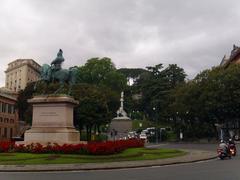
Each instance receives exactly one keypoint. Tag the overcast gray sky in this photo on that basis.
(195, 34)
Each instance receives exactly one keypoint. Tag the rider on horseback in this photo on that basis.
(55, 73)
(57, 62)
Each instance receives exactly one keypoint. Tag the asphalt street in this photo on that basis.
(203, 146)
(212, 169)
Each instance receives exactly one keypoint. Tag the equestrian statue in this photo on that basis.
(55, 73)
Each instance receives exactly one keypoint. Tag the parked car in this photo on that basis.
(143, 136)
(145, 131)
(132, 134)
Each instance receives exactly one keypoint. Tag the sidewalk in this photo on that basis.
(191, 156)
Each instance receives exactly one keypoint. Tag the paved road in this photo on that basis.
(214, 169)
(209, 147)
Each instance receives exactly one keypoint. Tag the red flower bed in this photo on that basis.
(6, 146)
(94, 148)
(111, 147)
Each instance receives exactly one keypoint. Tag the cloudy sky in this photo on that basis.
(134, 33)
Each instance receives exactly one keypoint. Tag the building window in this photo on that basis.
(5, 132)
(9, 108)
(12, 109)
(11, 132)
(6, 108)
(3, 107)
(6, 120)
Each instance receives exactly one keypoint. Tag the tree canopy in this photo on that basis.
(211, 97)
(102, 72)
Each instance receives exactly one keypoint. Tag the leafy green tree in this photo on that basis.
(132, 72)
(102, 72)
(212, 97)
(92, 111)
(24, 109)
(175, 75)
(156, 85)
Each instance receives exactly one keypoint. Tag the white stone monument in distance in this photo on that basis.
(122, 124)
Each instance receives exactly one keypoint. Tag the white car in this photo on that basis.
(143, 136)
(132, 134)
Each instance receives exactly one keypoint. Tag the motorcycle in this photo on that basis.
(233, 149)
(222, 154)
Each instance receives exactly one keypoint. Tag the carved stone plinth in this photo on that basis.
(52, 121)
(120, 125)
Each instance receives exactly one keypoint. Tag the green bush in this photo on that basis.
(99, 137)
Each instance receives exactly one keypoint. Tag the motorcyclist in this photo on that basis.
(223, 145)
(231, 141)
(232, 146)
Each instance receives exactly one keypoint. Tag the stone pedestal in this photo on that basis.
(122, 125)
(52, 121)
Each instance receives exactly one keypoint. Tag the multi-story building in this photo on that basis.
(233, 58)
(20, 72)
(9, 123)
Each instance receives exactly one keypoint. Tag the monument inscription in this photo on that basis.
(48, 114)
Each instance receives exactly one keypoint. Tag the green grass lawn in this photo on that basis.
(132, 154)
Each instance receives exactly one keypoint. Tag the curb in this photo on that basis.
(192, 156)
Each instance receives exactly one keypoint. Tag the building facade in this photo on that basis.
(234, 57)
(9, 122)
(20, 72)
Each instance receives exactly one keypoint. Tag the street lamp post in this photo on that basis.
(156, 129)
(154, 114)
(160, 138)
(156, 135)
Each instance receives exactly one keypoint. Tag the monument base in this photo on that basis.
(52, 135)
(119, 127)
(52, 121)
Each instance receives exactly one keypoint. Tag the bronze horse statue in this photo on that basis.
(48, 75)
(55, 73)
